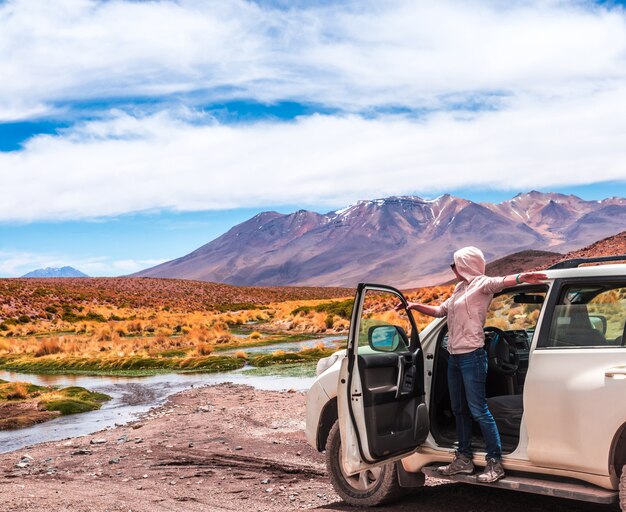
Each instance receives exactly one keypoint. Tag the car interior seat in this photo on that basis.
(507, 410)
(579, 331)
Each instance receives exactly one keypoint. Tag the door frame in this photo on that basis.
(352, 354)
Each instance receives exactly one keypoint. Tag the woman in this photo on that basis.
(466, 310)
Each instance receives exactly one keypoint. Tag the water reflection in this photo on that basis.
(333, 342)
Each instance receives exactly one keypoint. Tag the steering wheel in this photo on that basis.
(502, 356)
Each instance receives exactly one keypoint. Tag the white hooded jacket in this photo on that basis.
(467, 307)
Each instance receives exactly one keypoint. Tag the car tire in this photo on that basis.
(367, 489)
(622, 490)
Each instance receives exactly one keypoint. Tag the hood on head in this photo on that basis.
(469, 262)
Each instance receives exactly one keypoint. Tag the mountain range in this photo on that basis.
(56, 272)
(407, 241)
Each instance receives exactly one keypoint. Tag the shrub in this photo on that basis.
(255, 335)
(134, 326)
(75, 399)
(23, 319)
(204, 349)
(20, 392)
(47, 347)
(341, 308)
(105, 334)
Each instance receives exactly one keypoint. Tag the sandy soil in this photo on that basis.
(226, 447)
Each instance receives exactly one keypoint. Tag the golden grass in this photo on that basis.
(19, 392)
(204, 349)
(120, 335)
(47, 347)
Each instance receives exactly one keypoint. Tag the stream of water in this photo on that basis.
(135, 395)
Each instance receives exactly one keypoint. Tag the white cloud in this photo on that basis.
(18, 263)
(126, 163)
(355, 55)
(557, 68)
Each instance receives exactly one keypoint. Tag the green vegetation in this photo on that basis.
(179, 361)
(307, 355)
(342, 309)
(22, 319)
(25, 404)
(285, 370)
(270, 339)
(74, 400)
(138, 365)
(17, 390)
(72, 317)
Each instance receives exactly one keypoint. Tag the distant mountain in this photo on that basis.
(566, 221)
(521, 262)
(611, 246)
(406, 241)
(56, 272)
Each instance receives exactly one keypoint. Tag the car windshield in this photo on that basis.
(516, 310)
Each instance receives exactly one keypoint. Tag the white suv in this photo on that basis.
(556, 387)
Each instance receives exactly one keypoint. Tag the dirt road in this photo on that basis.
(225, 447)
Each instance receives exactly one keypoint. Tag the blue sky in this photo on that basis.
(134, 132)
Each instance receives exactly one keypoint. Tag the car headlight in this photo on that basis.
(325, 363)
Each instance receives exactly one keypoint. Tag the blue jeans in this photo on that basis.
(467, 374)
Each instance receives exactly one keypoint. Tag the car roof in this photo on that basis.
(618, 270)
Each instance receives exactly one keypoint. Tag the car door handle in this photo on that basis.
(616, 373)
(400, 372)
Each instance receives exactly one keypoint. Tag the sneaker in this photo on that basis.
(492, 473)
(460, 465)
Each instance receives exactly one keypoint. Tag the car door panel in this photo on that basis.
(383, 413)
(573, 405)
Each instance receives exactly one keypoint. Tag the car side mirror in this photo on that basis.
(386, 338)
(598, 322)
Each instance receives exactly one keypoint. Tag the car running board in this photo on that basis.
(570, 490)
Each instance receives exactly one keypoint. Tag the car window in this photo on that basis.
(589, 316)
(382, 327)
(516, 309)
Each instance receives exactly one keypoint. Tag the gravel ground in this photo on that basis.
(225, 447)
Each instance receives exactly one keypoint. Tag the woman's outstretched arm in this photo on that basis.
(436, 311)
(497, 284)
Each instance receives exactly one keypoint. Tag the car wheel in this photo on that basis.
(366, 489)
(622, 490)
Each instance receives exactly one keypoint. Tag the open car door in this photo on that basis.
(382, 413)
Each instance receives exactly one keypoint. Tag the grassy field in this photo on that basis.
(145, 326)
